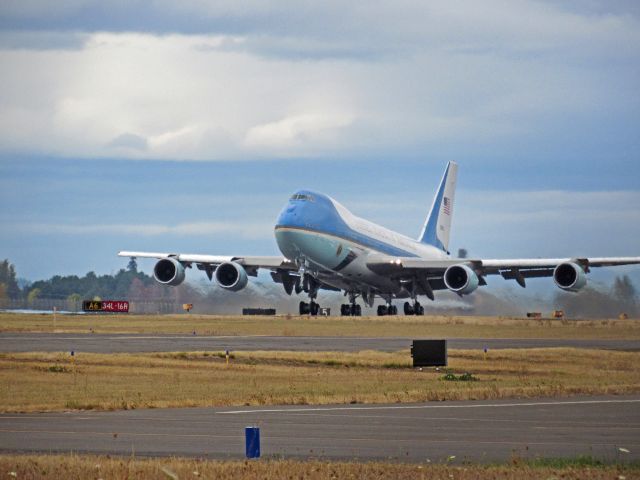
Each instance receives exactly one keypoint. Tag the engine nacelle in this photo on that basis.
(461, 279)
(569, 276)
(231, 276)
(169, 271)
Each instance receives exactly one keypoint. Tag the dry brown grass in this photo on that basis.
(400, 326)
(88, 466)
(51, 381)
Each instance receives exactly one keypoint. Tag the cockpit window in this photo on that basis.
(300, 196)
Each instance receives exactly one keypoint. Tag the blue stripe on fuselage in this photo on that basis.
(318, 214)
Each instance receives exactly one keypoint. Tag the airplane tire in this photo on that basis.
(382, 310)
(408, 309)
(358, 311)
(304, 308)
(421, 310)
(314, 308)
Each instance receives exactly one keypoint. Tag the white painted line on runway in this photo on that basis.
(425, 407)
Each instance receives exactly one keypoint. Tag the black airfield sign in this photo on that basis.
(108, 306)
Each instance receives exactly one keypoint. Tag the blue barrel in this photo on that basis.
(252, 442)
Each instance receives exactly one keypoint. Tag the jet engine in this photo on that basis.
(231, 276)
(169, 271)
(461, 279)
(569, 276)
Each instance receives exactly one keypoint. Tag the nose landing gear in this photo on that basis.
(311, 286)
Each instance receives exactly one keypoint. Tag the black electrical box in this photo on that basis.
(258, 311)
(429, 353)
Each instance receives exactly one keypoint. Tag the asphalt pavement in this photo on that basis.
(123, 343)
(606, 428)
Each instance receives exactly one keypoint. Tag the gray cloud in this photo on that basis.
(194, 229)
(337, 30)
(266, 80)
(129, 140)
(42, 40)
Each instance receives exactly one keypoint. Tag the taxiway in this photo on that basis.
(606, 428)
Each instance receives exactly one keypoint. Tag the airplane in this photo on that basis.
(326, 247)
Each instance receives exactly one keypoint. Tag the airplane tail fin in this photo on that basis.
(437, 226)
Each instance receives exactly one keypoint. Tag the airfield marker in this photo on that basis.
(252, 442)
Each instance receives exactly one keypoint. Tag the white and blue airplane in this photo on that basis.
(325, 246)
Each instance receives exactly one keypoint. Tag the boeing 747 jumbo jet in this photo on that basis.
(326, 247)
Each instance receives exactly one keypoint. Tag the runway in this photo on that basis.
(123, 343)
(606, 428)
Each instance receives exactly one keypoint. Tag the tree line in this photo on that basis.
(123, 285)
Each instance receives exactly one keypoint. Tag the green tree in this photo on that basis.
(8, 278)
(33, 295)
(625, 293)
(623, 288)
(73, 302)
(3, 295)
(132, 266)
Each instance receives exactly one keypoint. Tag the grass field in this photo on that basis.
(397, 326)
(88, 466)
(52, 381)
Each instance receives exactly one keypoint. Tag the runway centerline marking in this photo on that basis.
(425, 407)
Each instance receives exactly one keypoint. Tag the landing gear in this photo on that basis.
(415, 309)
(304, 308)
(307, 283)
(387, 310)
(311, 308)
(350, 310)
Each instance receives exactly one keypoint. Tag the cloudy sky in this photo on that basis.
(184, 126)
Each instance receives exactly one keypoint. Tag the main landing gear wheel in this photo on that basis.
(415, 309)
(311, 308)
(387, 310)
(350, 310)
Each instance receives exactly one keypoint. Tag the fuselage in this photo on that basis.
(320, 234)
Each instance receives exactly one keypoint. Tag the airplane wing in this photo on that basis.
(282, 270)
(210, 262)
(510, 269)
(387, 264)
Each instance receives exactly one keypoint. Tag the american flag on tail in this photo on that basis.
(446, 205)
